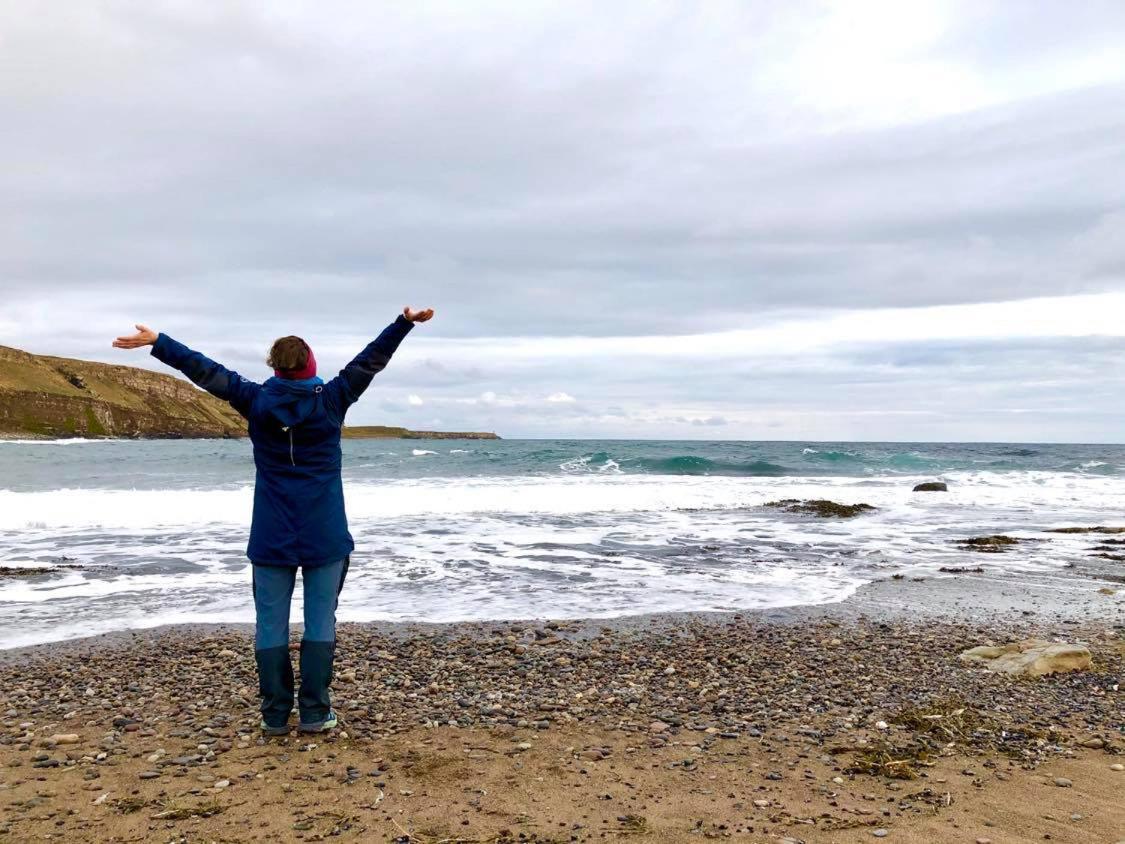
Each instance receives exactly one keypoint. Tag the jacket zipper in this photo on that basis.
(291, 459)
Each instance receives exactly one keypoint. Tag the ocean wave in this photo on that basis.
(692, 465)
(592, 491)
(911, 460)
(682, 464)
(833, 456)
(420, 452)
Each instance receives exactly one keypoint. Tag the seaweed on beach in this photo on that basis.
(887, 759)
(935, 727)
(633, 824)
(947, 720)
(129, 805)
(437, 835)
(183, 813)
(821, 507)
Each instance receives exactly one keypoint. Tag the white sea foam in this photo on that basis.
(587, 544)
(600, 492)
(418, 452)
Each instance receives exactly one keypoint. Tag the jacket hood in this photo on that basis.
(290, 402)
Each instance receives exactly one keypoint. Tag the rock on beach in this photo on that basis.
(1031, 657)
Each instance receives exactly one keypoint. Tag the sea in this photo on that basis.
(134, 534)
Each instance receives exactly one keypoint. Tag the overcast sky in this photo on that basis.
(837, 220)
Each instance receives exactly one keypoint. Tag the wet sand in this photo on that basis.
(805, 724)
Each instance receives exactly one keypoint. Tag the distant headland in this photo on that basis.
(45, 397)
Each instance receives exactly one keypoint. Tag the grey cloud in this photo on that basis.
(182, 154)
(238, 171)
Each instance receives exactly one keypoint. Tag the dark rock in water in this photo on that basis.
(1099, 529)
(932, 486)
(962, 570)
(988, 544)
(820, 507)
(31, 571)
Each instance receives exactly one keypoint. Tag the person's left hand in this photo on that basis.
(145, 336)
(418, 316)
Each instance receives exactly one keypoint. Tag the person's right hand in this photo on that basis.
(418, 316)
(145, 336)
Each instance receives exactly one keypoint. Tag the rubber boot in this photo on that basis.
(316, 675)
(275, 685)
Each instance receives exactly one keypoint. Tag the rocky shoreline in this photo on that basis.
(834, 723)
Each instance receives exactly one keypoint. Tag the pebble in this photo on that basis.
(775, 687)
(64, 738)
(880, 833)
(1063, 782)
(1117, 766)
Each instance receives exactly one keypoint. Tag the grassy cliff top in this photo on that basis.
(54, 397)
(361, 432)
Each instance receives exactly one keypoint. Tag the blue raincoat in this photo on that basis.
(299, 517)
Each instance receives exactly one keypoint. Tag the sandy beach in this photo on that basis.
(799, 725)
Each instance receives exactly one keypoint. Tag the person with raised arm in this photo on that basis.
(295, 421)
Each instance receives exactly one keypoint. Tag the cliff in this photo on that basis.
(50, 397)
(43, 396)
(360, 432)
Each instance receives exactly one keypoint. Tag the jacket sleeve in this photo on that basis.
(212, 377)
(345, 389)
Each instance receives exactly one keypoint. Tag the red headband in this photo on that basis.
(308, 371)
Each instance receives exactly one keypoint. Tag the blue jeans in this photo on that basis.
(273, 594)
